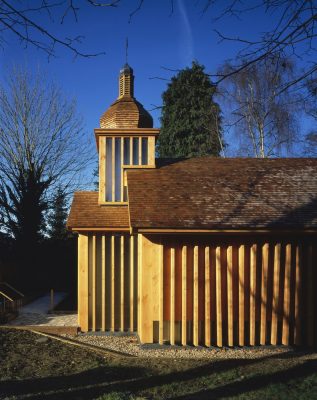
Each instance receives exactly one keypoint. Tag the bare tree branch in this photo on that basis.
(137, 9)
(294, 34)
(40, 137)
(264, 118)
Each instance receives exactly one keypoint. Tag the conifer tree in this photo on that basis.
(58, 216)
(190, 121)
(22, 205)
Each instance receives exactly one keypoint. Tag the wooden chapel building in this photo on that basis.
(203, 251)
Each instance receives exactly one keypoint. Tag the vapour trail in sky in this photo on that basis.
(187, 43)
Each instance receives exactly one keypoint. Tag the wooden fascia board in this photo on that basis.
(223, 231)
(112, 203)
(128, 167)
(125, 132)
(91, 229)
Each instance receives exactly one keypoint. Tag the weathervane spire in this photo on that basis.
(126, 50)
(126, 78)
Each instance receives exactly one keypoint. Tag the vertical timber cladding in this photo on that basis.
(229, 291)
(107, 286)
(116, 153)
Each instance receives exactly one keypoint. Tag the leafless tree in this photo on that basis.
(42, 144)
(21, 18)
(264, 119)
(310, 147)
(294, 34)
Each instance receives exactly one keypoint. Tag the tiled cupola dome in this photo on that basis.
(126, 111)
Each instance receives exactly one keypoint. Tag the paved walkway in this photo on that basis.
(36, 313)
(43, 304)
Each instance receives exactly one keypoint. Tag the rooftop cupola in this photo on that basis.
(126, 81)
(126, 139)
(126, 112)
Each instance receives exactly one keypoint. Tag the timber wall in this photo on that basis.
(228, 291)
(107, 282)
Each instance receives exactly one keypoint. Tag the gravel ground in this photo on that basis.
(130, 345)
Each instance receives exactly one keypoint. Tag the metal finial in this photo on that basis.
(126, 50)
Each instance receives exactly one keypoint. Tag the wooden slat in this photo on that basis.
(213, 309)
(190, 291)
(139, 255)
(83, 282)
(103, 284)
(132, 283)
(94, 255)
(122, 171)
(241, 295)
(151, 150)
(122, 283)
(161, 294)
(98, 281)
(195, 307)
(89, 282)
(184, 295)
(276, 291)
(265, 266)
(113, 166)
(149, 285)
(140, 150)
(287, 296)
(166, 290)
(230, 295)
(113, 255)
(178, 293)
(131, 150)
(298, 285)
(310, 297)
(172, 312)
(218, 297)
(252, 293)
(154, 256)
(102, 169)
(207, 297)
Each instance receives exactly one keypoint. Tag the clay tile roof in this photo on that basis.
(126, 112)
(86, 213)
(215, 193)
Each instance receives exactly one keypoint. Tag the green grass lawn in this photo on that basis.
(31, 368)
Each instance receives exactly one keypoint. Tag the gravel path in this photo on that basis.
(130, 345)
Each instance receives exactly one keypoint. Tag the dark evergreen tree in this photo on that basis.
(22, 206)
(58, 216)
(190, 116)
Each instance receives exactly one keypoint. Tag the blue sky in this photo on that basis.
(157, 38)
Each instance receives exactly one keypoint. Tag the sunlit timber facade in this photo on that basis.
(205, 251)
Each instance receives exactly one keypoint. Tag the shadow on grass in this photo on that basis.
(105, 380)
(255, 383)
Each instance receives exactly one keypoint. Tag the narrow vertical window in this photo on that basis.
(145, 151)
(135, 151)
(126, 158)
(108, 169)
(117, 169)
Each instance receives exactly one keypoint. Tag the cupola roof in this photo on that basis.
(126, 112)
